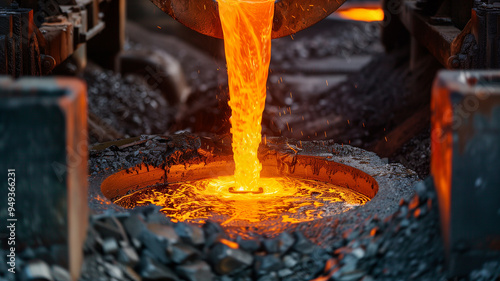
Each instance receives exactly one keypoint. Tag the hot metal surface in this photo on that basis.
(289, 16)
(182, 157)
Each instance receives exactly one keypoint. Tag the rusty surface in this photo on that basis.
(289, 17)
(438, 39)
(49, 151)
(465, 161)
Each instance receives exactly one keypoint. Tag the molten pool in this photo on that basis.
(284, 200)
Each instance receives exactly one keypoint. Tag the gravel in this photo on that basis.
(127, 104)
(406, 246)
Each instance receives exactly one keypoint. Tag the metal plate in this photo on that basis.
(289, 16)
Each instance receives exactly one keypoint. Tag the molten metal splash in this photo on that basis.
(284, 201)
(362, 14)
(247, 41)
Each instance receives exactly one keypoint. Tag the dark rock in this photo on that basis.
(271, 246)
(190, 233)
(368, 278)
(134, 225)
(285, 272)
(180, 253)
(351, 276)
(157, 238)
(37, 270)
(108, 228)
(128, 256)
(372, 248)
(289, 261)
(302, 244)
(358, 253)
(113, 271)
(226, 260)
(156, 216)
(28, 254)
(269, 277)
(213, 238)
(131, 274)
(286, 241)
(164, 231)
(211, 227)
(42, 253)
(249, 245)
(60, 274)
(156, 245)
(59, 253)
(151, 270)
(197, 271)
(109, 246)
(350, 263)
(313, 265)
(266, 264)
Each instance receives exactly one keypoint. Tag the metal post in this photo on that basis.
(465, 159)
(43, 141)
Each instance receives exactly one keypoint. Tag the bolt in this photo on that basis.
(454, 62)
(47, 65)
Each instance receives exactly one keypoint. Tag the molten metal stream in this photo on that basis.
(247, 41)
(245, 198)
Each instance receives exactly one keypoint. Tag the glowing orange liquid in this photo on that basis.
(362, 14)
(247, 40)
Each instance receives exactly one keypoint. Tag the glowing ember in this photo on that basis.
(362, 14)
(284, 201)
(247, 41)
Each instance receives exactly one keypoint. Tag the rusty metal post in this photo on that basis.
(486, 30)
(43, 142)
(465, 165)
(110, 41)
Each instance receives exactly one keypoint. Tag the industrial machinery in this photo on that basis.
(36, 36)
(45, 124)
(460, 34)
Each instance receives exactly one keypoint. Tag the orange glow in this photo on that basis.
(442, 151)
(284, 201)
(245, 203)
(247, 40)
(368, 14)
(230, 244)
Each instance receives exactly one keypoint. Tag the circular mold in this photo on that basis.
(343, 166)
